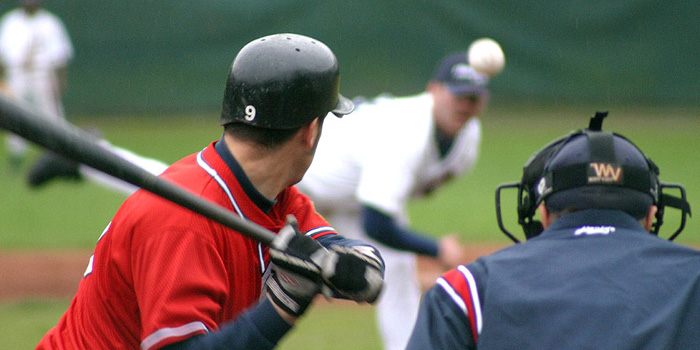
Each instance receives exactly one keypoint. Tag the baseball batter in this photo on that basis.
(35, 50)
(593, 278)
(365, 171)
(164, 277)
(393, 150)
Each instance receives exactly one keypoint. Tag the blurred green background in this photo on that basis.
(150, 75)
(173, 56)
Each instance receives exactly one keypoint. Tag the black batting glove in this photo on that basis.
(355, 273)
(297, 253)
(292, 292)
(296, 273)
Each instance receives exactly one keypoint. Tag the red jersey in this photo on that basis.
(161, 273)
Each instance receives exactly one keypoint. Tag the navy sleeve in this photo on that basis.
(258, 328)
(340, 240)
(385, 230)
(441, 324)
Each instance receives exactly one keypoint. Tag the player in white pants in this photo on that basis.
(368, 167)
(395, 149)
(51, 165)
(34, 52)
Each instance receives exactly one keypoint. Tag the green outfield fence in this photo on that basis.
(154, 55)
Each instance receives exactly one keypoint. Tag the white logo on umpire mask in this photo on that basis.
(542, 186)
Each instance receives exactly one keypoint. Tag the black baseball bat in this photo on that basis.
(74, 143)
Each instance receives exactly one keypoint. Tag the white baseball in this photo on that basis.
(485, 55)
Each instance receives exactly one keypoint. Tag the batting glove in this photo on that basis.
(296, 273)
(297, 253)
(292, 292)
(355, 273)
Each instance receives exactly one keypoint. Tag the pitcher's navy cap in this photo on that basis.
(461, 79)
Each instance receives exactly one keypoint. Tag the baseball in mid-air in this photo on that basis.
(485, 55)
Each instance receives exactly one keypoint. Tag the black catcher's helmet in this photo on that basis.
(283, 81)
(591, 168)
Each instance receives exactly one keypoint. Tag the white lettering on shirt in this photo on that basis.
(594, 230)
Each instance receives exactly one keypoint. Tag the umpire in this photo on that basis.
(590, 276)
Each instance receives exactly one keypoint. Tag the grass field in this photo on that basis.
(72, 215)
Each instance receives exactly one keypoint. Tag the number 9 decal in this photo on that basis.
(249, 112)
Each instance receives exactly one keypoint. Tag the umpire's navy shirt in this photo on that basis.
(595, 279)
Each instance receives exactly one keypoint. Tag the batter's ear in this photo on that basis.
(310, 132)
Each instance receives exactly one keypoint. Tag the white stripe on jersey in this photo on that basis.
(203, 164)
(475, 295)
(453, 295)
(168, 332)
(319, 229)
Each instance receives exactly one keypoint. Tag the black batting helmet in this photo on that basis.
(283, 81)
(588, 169)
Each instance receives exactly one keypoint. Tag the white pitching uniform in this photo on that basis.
(31, 49)
(382, 155)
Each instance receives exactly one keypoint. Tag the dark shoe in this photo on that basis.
(51, 165)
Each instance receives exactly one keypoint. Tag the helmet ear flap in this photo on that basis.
(528, 199)
(526, 212)
(532, 228)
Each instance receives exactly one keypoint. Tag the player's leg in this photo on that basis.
(17, 148)
(51, 166)
(153, 166)
(397, 308)
(47, 95)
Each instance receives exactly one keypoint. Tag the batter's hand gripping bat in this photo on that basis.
(69, 141)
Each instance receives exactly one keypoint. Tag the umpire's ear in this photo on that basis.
(648, 221)
(545, 215)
